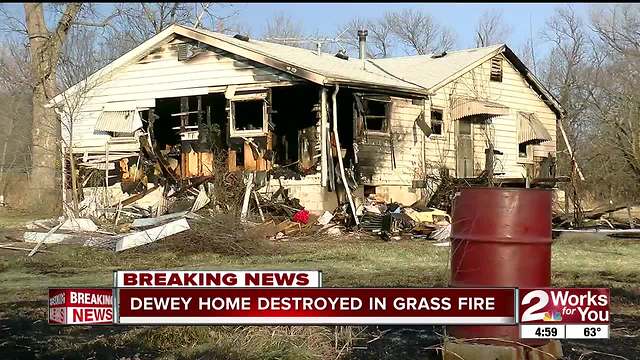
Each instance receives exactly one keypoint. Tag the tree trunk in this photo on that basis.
(45, 52)
(45, 166)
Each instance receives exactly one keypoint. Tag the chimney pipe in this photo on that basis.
(362, 37)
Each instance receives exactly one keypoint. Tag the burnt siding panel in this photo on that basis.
(375, 155)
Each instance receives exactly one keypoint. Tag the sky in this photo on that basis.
(325, 18)
(462, 17)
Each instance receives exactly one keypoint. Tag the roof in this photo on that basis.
(417, 75)
(323, 69)
(431, 72)
(435, 72)
(332, 68)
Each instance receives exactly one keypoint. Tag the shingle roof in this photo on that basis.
(421, 74)
(430, 72)
(327, 65)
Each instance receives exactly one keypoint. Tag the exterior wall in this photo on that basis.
(161, 75)
(513, 92)
(375, 153)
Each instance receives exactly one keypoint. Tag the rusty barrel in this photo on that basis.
(500, 237)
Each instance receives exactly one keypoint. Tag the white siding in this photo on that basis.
(161, 75)
(513, 92)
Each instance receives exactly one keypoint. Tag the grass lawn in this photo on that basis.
(347, 261)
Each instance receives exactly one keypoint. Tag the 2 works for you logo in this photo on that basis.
(564, 305)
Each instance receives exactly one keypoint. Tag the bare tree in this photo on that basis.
(136, 22)
(283, 29)
(420, 33)
(16, 127)
(615, 84)
(491, 29)
(380, 39)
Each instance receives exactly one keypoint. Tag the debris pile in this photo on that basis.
(393, 221)
(615, 221)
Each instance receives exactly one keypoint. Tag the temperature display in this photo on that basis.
(587, 332)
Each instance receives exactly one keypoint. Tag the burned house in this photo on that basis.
(307, 121)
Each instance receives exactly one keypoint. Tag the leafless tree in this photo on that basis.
(14, 109)
(491, 29)
(562, 72)
(615, 84)
(380, 39)
(420, 33)
(283, 29)
(565, 31)
(136, 22)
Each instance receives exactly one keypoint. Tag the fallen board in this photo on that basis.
(151, 235)
(144, 222)
(35, 237)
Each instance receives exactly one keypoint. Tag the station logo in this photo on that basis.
(564, 305)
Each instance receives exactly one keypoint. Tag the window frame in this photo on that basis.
(386, 123)
(233, 132)
(441, 121)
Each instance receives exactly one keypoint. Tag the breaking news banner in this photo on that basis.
(564, 313)
(89, 306)
(217, 278)
(315, 306)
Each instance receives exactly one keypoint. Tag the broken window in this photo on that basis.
(437, 127)
(375, 115)
(522, 150)
(496, 69)
(248, 117)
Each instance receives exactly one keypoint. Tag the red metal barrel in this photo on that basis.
(500, 237)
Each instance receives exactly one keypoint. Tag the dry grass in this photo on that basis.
(349, 261)
(222, 234)
(214, 342)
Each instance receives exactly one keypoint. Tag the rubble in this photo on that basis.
(614, 221)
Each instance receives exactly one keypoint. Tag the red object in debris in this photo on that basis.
(302, 216)
(500, 237)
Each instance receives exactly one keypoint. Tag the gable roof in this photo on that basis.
(418, 75)
(436, 72)
(327, 68)
(323, 68)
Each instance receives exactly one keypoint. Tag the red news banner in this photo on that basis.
(296, 297)
(316, 306)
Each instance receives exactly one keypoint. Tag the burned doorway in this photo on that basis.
(296, 116)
